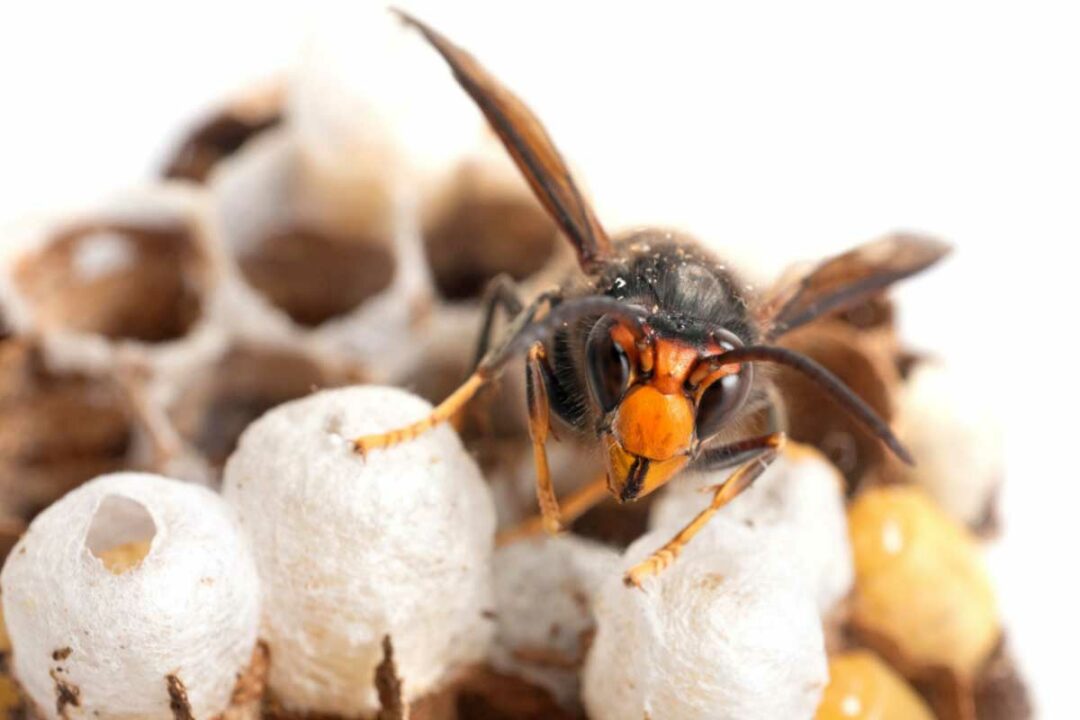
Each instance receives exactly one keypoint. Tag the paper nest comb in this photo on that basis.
(328, 231)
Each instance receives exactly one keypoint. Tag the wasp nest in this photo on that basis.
(341, 227)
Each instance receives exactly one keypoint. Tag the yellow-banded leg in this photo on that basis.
(500, 293)
(738, 481)
(526, 330)
(439, 414)
(539, 426)
(574, 506)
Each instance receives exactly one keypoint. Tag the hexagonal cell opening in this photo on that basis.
(121, 281)
(214, 140)
(235, 392)
(120, 533)
(315, 276)
(478, 235)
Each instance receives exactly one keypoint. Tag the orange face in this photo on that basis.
(652, 429)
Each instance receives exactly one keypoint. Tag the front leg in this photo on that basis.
(765, 449)
(572, 507)
(442, 412)
(499, 293)
(526, 330)
(488, 369)
(539, 425)
(546, 396)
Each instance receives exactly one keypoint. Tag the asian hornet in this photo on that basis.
(650, 347)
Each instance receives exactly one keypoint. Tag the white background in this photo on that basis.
(778, 131)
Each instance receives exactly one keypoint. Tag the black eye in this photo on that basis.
(720, 401)
(607, 367)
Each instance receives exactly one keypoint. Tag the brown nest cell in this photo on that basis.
(613, 524)
(485, 225)
(494, 426)
(249, 380)
(314, 276)
(120, 280)
(57, 430)
(222, 134)
(212, 141)
(476, 693)
(484, 694)
(866, 365)
(998, 692)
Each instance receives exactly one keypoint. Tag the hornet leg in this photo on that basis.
(499, 293)
(488, 369)
(525, 331)
(573, 507)
(767, 448)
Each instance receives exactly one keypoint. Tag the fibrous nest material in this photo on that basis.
(301, 244)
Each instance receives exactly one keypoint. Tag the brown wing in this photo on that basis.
(848, 279)
(529, 145)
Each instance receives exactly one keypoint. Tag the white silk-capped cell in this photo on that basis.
(956, 441)
(727, 632)
(84, 620)
(798, 504)
(352, 548)
(544, 588)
